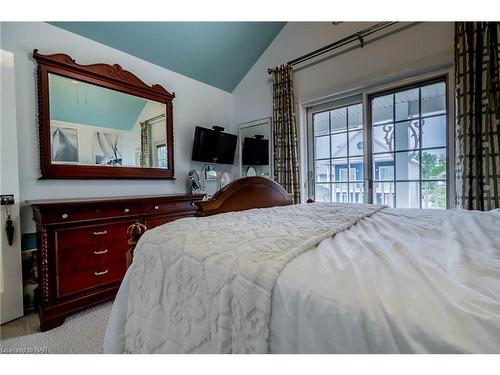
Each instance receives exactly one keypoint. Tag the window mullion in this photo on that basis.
(330, 160)
(420, 147)
(367, 150)
(348, 156)
(394, 150)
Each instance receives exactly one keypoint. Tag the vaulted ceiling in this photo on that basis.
(216, 53)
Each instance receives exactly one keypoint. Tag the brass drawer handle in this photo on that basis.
(100, 233)
(101, 252)
(101, 273)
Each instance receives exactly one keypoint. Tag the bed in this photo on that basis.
(259, 275)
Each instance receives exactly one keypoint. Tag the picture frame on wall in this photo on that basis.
(108, 148)
(64, 144)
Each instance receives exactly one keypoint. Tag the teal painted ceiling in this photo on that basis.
(216, 53)
(82, 103)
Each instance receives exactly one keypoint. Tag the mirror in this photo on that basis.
(194, 183)
(93, 125)
(100, 121)
(225, 179)
(210, 181)
(255, 145)
(251, 172)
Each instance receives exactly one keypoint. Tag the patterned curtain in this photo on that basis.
(144, 160)
(477, 55)
(286, 160)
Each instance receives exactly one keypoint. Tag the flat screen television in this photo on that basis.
(212, 146)
(255, 151)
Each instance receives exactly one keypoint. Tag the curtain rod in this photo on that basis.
(153, 118)
(339, 43)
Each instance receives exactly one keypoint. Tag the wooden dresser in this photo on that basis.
(82, 245)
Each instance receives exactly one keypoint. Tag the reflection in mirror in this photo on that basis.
(93, 125)
(251, 172)
(210, 181)
(255, 146)
(194, 184)
(225, 179)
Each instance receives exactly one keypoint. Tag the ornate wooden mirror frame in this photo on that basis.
(108, 76)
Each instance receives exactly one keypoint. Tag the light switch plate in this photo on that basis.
(6, 199)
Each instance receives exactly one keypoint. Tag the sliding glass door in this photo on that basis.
(405, 164)
(409, 148)
(338, 154)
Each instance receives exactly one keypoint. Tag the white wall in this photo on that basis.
(11, 283)
(414, 47)
(195, 104)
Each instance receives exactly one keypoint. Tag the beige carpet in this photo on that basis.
(82, 333)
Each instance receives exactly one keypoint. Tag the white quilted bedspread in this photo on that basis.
(204, 285)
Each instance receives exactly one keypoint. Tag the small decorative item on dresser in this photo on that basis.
(194, 184)
(225, 179)
(135, 231)
(83, 245)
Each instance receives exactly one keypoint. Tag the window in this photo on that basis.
(409, 147)
(338, 148)
(407, 158)
(161, 155)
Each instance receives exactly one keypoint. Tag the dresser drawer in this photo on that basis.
(159, 207)
(186, 205)
(89, 257)
(70, 214)
(91, 236)
(91, 278)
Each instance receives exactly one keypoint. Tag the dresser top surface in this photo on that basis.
(138, 198)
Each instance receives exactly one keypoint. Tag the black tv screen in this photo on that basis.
(255, 151)
(212, 146)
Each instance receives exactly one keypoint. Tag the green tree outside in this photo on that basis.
(433, 192)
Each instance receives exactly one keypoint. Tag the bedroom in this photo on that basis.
(118, 151)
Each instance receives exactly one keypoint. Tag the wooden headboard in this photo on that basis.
(241, 194)
(244, 194)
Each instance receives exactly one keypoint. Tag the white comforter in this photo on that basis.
(399, 281)
(204, 285)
